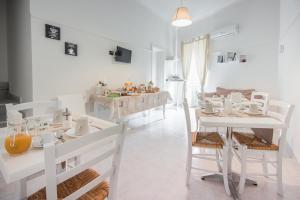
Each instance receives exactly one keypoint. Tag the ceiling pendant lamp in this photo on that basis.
(182, 17)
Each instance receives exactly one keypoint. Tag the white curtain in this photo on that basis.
(201, 59)
(186, 53)
(195, 53)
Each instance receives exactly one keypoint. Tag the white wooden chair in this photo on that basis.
(236, 97)
(81, 181)
(262, 99)
(37, 108)
(250, 142)
(74, 102)
(207, 140)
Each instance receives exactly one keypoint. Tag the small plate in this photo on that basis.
(213, 112)
(71, 132)
(253, 113)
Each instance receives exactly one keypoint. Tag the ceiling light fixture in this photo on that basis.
(182, 17)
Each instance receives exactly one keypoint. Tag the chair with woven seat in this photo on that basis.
(247, 142)
(69, 186)
(205, 140)
(81, 182)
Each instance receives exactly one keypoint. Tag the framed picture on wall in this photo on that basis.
(71, 49)
(52, 32)
(231, 56)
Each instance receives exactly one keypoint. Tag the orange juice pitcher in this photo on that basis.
(18, 140)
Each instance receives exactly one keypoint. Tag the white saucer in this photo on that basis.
(213, 112)
(253, 113)
(71, 132)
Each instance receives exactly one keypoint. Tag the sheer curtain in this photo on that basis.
(194, 64)
(186, 53)
(201, 59)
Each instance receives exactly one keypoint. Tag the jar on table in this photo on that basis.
(18, 139)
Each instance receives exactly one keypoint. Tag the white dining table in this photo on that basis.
(230, 122)
(17, 170)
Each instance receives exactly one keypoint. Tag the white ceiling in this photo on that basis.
(199, 9)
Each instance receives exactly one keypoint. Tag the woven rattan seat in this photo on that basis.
(254, 142)
(207, 140)
(69, 186)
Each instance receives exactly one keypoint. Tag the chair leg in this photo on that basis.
(188, 167)
(218, 160)
(279, 173)
(243, 169)
(225, 169)
(265, 165)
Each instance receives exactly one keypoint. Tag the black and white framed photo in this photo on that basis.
(231, 56)
(220, 59)
(71, 49)
(52, 32)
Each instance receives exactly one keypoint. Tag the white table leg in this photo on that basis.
(21, 189)
(164, 111)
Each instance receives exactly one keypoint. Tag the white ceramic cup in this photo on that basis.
(82, 126)
(228, 106)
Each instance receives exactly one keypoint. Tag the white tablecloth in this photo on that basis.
(123, 106)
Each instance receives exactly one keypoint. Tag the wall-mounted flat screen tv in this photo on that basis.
(123, 55)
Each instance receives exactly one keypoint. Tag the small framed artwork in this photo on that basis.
(231, 56)
(220, 59)
(243, 58)
(71, 49)
(52, 32)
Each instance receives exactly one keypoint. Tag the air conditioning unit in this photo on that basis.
(225, 31)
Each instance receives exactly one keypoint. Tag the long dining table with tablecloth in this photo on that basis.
(120, 107)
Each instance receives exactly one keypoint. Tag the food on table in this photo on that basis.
(113, 95)
(18, 143)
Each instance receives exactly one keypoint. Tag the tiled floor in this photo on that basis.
(153, 167)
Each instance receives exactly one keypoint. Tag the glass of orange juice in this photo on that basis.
(18, 140)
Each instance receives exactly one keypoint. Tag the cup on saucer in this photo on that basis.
(82, 126)
(227, 106)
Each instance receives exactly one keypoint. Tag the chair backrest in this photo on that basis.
(188, 125)
(187, 116)
(35, 108)
(262, 98)
(74, 102)
(236, 97)
(281, 111)
(105, 145)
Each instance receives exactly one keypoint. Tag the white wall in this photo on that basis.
(289, 65)
(258, 39)
(91, 25)
(19, 49)
(3, 44)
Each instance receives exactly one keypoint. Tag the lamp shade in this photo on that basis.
(182, 17)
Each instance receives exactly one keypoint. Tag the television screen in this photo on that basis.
(123, 55)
